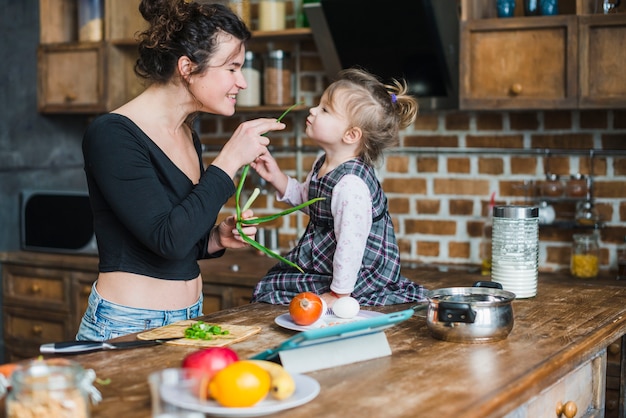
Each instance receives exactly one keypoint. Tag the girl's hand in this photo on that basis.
(267, 167)
(227, 236)
(247, 143)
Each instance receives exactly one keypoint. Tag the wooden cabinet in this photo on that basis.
(87, 77)
(573, 60)
(615, 379)
(583, 388)
(97, 77)
(45, 295)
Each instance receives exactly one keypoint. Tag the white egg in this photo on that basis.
(346, 307)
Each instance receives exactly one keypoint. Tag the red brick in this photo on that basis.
(524, 121)
(426, 206)
(500, 141)
(407, 186)
(458, 250)
(461, 207)
(490, 166)
(593, 119)
(428, 248)
(562, 141)
(427, 122)
(458, 165)
(619, 119)
(607, 189)
(427, 165)
(457, 121)
(433, 141)
(462, 187)
(429, 227)
(523, 165)
(599, 166)
(619, 166)
(397, 164)
(399, 205)
(490, 121)
(614, 141)
(557, 119)
(556, 165)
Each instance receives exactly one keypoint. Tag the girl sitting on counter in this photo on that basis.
(349, 247)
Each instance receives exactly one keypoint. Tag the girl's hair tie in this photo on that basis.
(394, 98)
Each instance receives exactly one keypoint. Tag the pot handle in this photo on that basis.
(493, 285)
(455, 312)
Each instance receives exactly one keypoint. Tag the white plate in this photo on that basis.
(285, 320)
(181, 395)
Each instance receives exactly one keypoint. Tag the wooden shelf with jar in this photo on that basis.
(91, 77)
(571, 60)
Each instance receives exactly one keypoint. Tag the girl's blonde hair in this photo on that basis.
(379, 110)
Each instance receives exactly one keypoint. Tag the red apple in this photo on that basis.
(210, 360)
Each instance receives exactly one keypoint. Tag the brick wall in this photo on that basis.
(440, 179)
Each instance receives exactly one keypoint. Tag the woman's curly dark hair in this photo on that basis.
(177, 29)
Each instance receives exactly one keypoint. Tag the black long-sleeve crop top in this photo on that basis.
(149, 218)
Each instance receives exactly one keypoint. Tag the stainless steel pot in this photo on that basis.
(478, 314)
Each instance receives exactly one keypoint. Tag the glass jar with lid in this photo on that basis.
(277, 78)
(51, 388)
(552, 187)
(585, 261)
(576, 186)
(251, 70)
(272, 15)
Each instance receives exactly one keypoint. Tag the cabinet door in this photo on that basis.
(602, 61)
(81, 288)
(71, 78)
(519, 63)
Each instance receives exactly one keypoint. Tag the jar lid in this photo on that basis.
(278, 54)
(250, 55)
(515, 212)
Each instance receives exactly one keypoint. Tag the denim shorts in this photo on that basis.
(104, 320)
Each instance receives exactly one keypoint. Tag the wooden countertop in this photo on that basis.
(568, 323)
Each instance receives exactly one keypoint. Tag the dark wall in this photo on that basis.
(36, 151)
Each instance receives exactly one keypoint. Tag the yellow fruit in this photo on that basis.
(282, 383)
(240, 384)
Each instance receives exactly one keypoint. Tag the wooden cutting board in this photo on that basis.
(236, 333)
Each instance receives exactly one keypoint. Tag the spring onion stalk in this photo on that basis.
(251, 199)
(255, 221)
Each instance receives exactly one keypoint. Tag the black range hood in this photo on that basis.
(417, 40)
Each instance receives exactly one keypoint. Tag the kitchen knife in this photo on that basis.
(77, 347)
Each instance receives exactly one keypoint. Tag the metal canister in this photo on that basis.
(515, 249)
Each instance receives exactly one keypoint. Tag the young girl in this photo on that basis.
(349, 246)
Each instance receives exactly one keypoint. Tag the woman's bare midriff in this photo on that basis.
(144, 292)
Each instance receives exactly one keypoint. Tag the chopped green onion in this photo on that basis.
(203, 331)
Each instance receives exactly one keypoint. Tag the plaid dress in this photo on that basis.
(379, 280)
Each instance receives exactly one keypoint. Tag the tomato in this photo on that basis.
(305, 308)
(240, 384)
(209, 361)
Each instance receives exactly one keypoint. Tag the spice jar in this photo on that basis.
(552, 187)
(586, 214)
(515, 249)
(51, 388)
(241, 9)
(272, 15)
(90, 23)
(576, 186)
(277, 78)
(585, 256)
(251, 70)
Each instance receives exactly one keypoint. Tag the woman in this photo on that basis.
(154, 205)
